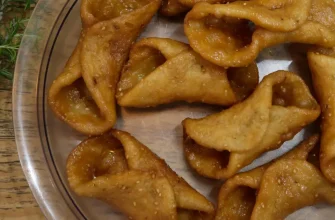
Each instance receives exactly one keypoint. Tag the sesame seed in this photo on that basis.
(134, 203)
(156, 203)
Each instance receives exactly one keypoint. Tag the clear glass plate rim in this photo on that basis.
(26, 108)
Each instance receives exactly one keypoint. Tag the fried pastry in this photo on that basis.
(322, 65)
(162, 71)
(172, 8)
(219, 145)
(177, 7)
(237, 196)
(232, 35)
(119, 170)
(289, 185)
(83, 95)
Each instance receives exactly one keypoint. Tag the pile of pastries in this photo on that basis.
(108, 68)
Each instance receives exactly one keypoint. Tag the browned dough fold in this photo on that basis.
(83, 95)
(177, 7)
(322, 65)
(234, 34)
(237, 196)
(219, 145)
(162, 71)
(119, 170)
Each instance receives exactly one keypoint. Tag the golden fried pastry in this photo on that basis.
(233, 34)
(219, 145)
(176, 7)
(172, 8)
(118, 169)
(83, 95)
(289, 185)
(237, 196)
(322, 66)
(162, 71)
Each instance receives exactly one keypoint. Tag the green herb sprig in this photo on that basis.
(13, 20)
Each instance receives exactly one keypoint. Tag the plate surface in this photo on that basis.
(44, 142)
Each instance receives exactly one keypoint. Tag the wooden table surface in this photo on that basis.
(16, 199)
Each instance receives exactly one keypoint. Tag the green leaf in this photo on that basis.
(12, 23)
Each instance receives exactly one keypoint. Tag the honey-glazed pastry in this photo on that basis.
(322, 65)
(232, 35)
(83, 95)
(119, 170)
(237, 196)
(177, 7)
(162, 71)
(221, 144)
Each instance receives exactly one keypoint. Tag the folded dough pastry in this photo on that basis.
(289, 185)
(322, 66)
(162, 71)
(219, 145)
(177, 7)
(237, 196)
(233, 34)
(83, 95)
(118, 169)
(275, 190)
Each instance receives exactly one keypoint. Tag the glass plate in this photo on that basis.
(44, 142)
